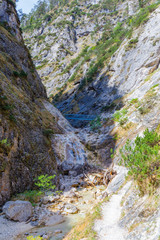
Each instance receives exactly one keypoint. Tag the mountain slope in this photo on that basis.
(72, 53)
(64, 45)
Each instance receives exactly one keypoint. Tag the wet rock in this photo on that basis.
(69, 208)
(19, 211)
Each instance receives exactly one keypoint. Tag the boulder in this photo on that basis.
(19, 211)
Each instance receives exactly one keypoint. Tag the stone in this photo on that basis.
(73, 173)
(71, 209)
(18, 210)
(58, 231)
(49, 199)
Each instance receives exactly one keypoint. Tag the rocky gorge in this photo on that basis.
(94, 57)
(32, 130)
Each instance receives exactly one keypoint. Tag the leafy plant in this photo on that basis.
(32, 195)
(142, 159)
(5, 142)
(22, 74)
(45, 182)
(34, 238)
(47, 132)
(134, 101)
(119, 116)
(96, 124)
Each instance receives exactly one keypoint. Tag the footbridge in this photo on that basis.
(80, 117)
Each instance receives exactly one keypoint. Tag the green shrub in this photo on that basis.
(4, 142)
(15, 73)
(22, 74)
(3, 103)
(12, 118)
(96, 124)
(34, 238)
(142, 159)
(134, 101)
(131, 44)
(123, 121)
(44, 182)
(47, 132)
(32, 195)
(119, 115)
(143, 109)
(142, 15)
(12, 3)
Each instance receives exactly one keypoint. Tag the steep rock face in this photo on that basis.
(9, 17)
(127, 85)
(29, 124)
(126, 71)
(71, 32)
(128, 99)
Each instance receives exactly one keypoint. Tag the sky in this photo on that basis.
(26, 5)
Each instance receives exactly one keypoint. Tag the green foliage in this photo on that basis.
(34, 238)
(7, 108)
(5, 25)
(47, 132)
(112, 152)
(5, 145)
(11, 2)
(4, 105)
(143, 110)
(12, 118)
(142, 159)
(119, 116)
(108, 107)
(142, 15)
(32, 196)
(76, 60)
(44, 182)
(22, 74)
(134, 101)
(4, 142)
(132, 43)
(96, 124)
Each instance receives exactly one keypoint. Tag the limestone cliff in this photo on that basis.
(74, 42)
(34, 137)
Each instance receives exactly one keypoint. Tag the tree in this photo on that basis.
(140, 3)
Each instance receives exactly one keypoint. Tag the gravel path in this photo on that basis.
(9, 229)
(108, 227)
